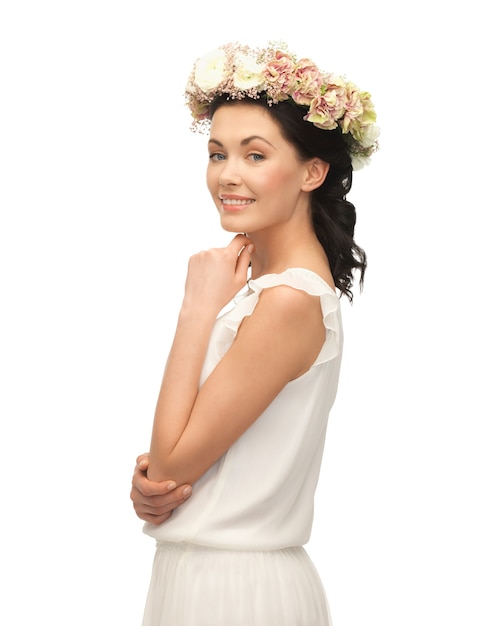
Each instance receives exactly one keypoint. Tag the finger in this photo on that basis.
(239, 241)
(243, 262)
(159, 505)
(142, 461)
(150, 488)
(154, 519)
(143, 488)
(179, 495)
(155, 508)
(156, 500)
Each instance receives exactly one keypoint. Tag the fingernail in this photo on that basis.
(171, 486)
(142, 463)
(186, 491)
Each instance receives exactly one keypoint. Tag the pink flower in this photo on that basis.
(279, 74)
(308, 81)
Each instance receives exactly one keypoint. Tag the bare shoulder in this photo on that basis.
(288, 323)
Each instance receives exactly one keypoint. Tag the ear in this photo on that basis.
(315, 174)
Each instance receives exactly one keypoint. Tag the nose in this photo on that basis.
(229, 173)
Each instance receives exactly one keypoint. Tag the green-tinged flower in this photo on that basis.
(353, 106)
(321, 114)
(369, 116)
(334, 94)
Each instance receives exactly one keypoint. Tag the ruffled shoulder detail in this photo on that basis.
(298, 278)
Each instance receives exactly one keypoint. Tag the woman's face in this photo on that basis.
(254, 175)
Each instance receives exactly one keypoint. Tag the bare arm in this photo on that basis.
(278, 342)
(214, 277)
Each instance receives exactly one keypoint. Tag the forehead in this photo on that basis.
(238, 119)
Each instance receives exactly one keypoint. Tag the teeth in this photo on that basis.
(233, 201)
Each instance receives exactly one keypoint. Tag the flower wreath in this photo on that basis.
(329, 100)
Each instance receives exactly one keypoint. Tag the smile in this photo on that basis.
(235, 202)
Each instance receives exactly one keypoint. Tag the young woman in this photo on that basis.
(244, 402)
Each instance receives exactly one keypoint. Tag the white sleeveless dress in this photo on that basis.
(233, 554)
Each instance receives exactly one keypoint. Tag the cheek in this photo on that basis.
(276, 180)
(284, 183)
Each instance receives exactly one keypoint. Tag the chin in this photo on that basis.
(231, 227)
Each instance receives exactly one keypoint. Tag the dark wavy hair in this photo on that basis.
(333, 216)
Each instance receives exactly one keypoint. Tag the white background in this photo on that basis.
(102, 201)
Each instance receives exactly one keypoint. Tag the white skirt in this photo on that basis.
(202, 586)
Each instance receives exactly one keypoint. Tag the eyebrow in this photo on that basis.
(244, 142)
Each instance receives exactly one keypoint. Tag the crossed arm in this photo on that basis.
(193, 427)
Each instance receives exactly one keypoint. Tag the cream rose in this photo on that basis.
(209, 70)
(248, 73)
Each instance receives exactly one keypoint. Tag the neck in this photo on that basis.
(274, 254)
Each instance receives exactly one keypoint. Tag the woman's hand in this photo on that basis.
(154, 502)
(215, 276)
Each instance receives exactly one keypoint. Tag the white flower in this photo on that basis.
(248, 73)
(209, 70)
(368, 135)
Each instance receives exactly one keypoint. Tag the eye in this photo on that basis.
(256, 157)
(216, 156)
